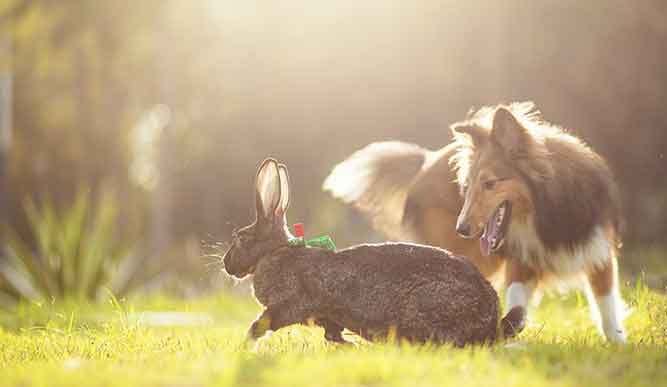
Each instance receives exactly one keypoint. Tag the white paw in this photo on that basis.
(615, 335)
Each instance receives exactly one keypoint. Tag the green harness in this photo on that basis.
(322, 241)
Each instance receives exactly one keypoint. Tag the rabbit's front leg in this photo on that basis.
(274, 318)
(260, 326)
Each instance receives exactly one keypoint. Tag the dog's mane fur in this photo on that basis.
(573, 191)
(480, 122)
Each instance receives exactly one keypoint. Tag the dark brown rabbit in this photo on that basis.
(414, 292)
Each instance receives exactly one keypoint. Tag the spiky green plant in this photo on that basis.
(77, 252)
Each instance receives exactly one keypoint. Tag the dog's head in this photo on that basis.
(498, 159)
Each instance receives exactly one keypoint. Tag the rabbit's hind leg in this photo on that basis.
(332, 331)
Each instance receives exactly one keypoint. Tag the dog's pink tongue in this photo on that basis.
(490, 232)
(485, 244)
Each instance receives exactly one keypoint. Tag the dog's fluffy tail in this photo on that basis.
(376, 180)
(513, 322)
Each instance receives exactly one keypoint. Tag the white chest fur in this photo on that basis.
(525, 244)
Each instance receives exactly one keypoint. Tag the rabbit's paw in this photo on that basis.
(259, 327)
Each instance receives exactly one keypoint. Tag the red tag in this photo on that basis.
(299, 231)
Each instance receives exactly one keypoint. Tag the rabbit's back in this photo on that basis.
(423, 292)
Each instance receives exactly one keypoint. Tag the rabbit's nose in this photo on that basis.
(226, 257)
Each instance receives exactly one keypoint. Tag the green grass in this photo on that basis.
(114, 345)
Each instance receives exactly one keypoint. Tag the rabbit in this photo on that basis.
(406, 291)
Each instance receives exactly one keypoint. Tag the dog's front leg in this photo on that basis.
(520, 281)
(604, 294)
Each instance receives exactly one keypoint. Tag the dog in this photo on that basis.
(533, 206)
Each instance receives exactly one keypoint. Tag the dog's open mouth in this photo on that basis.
(496, 228)
(252, 269)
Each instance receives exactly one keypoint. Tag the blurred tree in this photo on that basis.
(79, 86)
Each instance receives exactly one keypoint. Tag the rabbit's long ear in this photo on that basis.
(284, 191)
(267, 190)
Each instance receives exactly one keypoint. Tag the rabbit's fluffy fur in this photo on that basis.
(414, 292)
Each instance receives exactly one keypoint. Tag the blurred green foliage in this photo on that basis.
(79, 252)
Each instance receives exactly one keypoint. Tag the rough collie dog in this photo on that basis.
(543, 206)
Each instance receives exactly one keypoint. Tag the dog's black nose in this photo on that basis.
(463, 229)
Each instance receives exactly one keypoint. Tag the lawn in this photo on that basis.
(201, 343)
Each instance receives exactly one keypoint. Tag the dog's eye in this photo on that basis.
(489, 184)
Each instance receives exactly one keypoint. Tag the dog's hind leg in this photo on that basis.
(604, 293)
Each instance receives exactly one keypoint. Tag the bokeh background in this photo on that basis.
(160, 112)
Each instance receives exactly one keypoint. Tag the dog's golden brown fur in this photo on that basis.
(565, 217)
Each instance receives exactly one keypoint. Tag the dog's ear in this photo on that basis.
(508, 133)
(477, 134)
